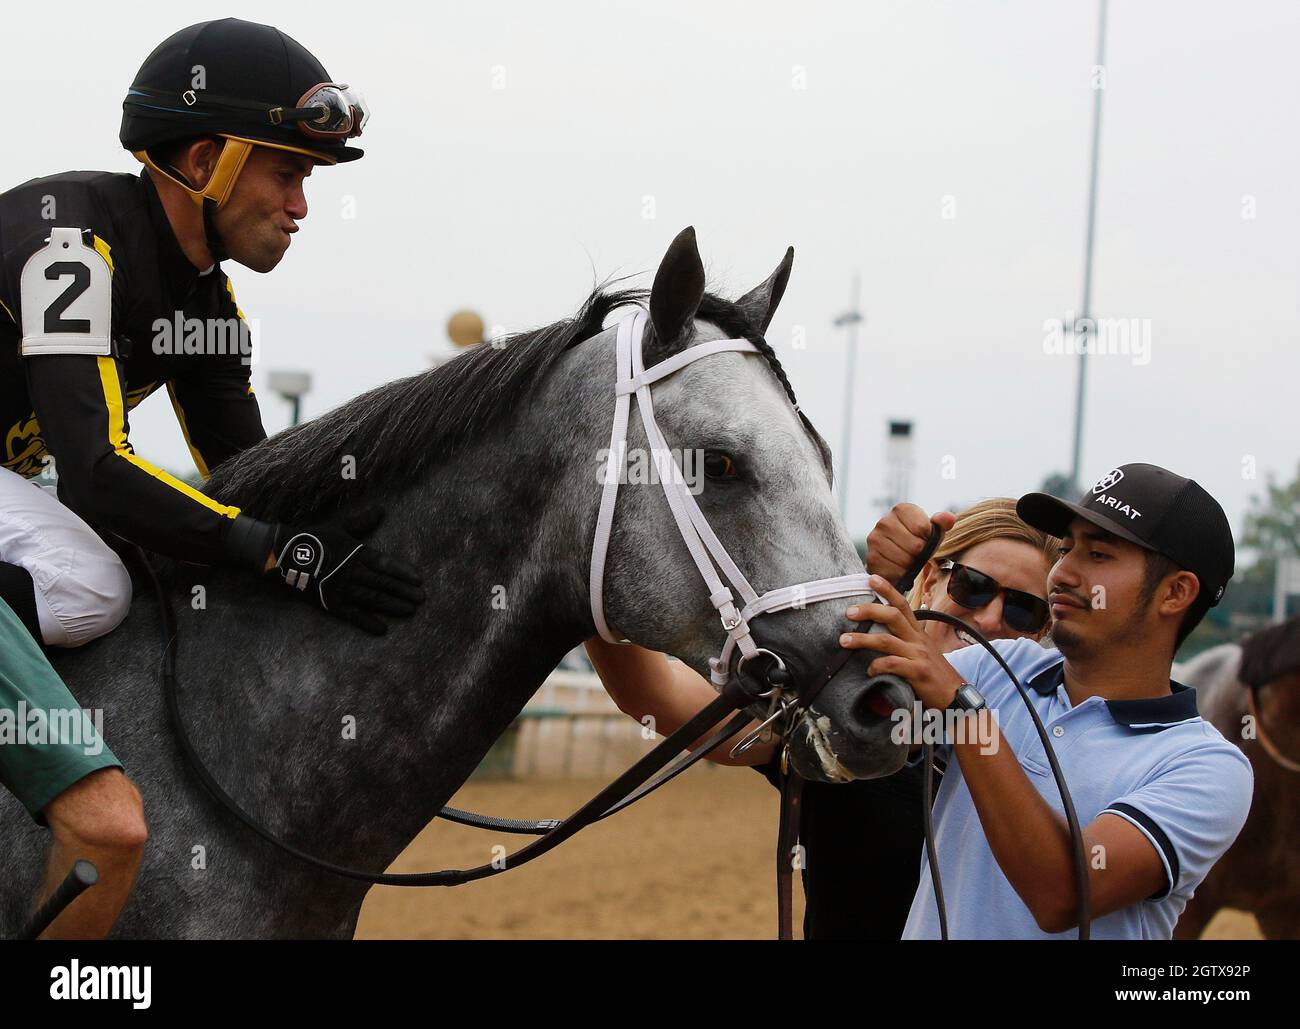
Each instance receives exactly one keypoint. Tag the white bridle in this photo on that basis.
(632, 376)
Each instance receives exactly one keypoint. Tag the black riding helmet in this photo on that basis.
(250, 84)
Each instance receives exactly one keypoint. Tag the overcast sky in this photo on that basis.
(938, 149)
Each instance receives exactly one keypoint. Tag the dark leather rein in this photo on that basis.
(667, 760)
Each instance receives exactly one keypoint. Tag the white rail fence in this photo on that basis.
(569, 730)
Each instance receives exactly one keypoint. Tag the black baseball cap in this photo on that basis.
(1154, 508)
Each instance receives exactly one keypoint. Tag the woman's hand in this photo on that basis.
(899, 537)
(906, 650)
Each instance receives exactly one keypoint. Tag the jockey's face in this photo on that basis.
(268, 202)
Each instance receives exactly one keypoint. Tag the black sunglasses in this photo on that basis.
(971, 589)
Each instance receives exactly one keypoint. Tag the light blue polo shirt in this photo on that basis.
(1153, 762)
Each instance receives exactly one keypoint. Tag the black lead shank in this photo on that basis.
(80, 878)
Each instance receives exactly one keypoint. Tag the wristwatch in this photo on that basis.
(967, 698)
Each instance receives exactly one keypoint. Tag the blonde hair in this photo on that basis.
(991, 519)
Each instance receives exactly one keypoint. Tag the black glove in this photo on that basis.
(329, 566)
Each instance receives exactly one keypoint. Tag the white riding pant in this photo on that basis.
(82, 588)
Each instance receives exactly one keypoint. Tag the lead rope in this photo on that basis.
(931, 857)
(786, 849)
(1083, 907)
(792, 782)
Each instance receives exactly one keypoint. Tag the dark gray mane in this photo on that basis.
(1270, 653)
(396, 431)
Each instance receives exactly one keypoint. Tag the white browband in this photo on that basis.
(707, 552)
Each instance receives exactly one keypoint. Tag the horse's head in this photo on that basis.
(760, 476)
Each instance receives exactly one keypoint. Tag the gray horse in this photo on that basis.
(1260, 873)
(488, 468)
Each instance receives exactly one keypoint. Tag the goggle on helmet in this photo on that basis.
(329, 110)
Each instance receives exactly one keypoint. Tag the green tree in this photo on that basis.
(1272, 526)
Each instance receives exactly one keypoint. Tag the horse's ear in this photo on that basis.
(678, 288)
(760, 302)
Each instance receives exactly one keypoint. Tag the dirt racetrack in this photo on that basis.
(693, 861)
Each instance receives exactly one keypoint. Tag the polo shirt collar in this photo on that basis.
(1147, 714)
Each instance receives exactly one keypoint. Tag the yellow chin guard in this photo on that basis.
(230, 163)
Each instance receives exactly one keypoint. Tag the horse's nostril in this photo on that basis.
(875, 700)
(871, 706)
(879, 699)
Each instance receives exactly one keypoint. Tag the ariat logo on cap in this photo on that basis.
(1108, 481)
(1119, 506)
(303, 554)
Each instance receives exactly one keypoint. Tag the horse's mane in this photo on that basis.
(398, 430)
(1270, 653)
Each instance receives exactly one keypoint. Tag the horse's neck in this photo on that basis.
(500, 541)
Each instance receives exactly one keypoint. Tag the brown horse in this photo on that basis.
(1251, 694)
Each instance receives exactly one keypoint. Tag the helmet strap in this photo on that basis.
(221, 183)
(230, 163)
(210, 234)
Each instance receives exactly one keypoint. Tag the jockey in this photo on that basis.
(111, 287)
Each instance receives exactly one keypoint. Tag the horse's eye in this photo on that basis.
(718, 465)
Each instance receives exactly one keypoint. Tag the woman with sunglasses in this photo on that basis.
(990, 570)
(985, 572)
(863, 840)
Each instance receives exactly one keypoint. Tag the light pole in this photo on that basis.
(1085, 314)
(849, 320)
(292, 386)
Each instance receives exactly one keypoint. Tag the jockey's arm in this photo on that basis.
(80, 404)
(218, 414)
(647, 685)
